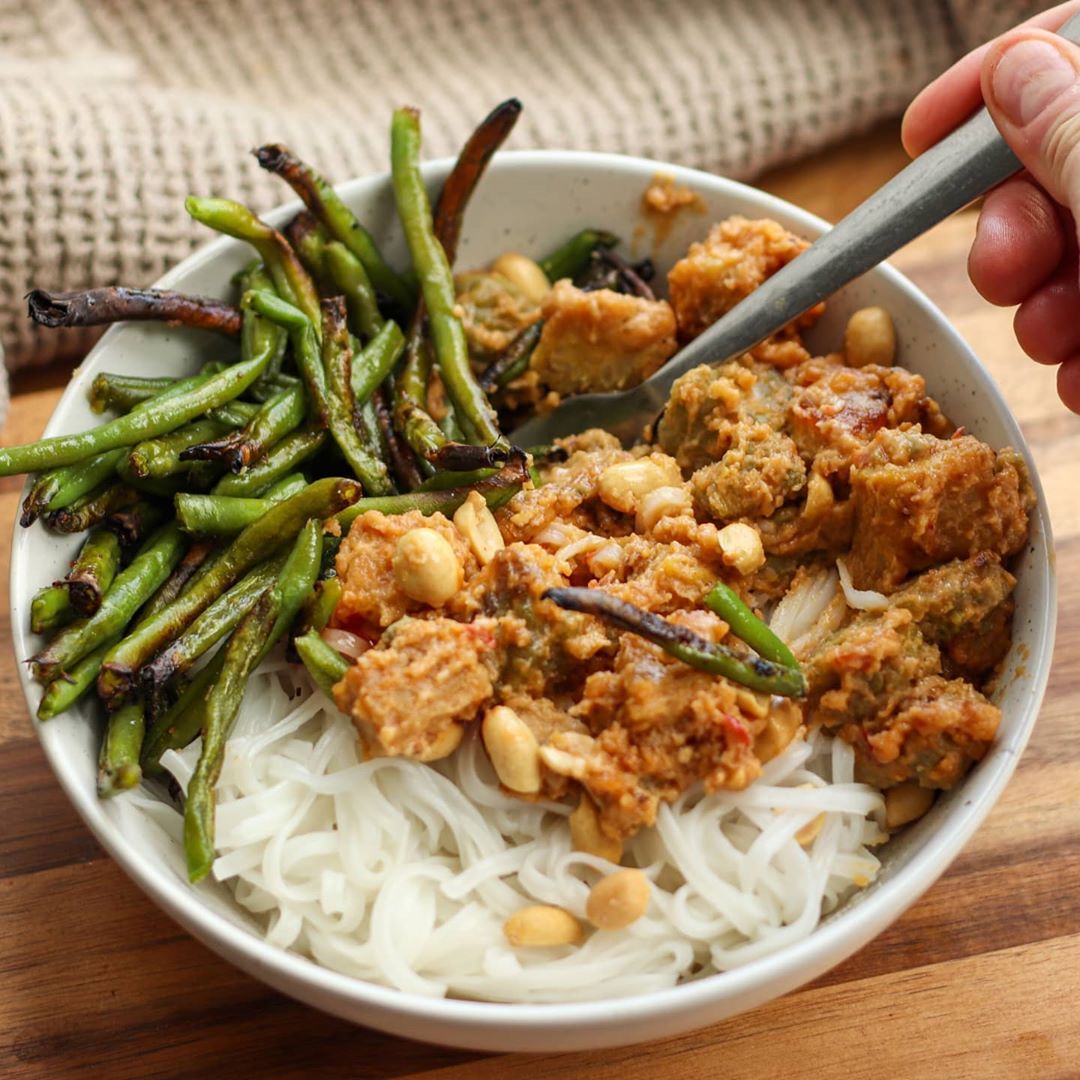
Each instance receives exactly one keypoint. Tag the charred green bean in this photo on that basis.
(130, 590)
(118, 763)
(682, 643)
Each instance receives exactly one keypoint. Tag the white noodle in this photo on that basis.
(403, 874)
(859, 599)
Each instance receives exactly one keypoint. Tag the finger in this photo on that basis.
(1046, 324)
(1068, 383)
(1018, 244)
(954, 95)
(1031, 83)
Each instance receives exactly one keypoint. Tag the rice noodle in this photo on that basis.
(859, 599)
(403, 874)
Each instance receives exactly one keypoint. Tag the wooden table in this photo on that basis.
(980, 979)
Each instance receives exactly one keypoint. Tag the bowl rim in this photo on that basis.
(791, 966)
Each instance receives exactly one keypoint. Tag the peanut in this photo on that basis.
(525, 274)
(446, 742)
(623, 484)
(870, 338)
(425, 567)
(618, 900)
(586, 835)
(906, 803)
(741, 547)
(478, 527)
(513, 749)
(540, 926)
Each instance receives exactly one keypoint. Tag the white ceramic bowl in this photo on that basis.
(529, 202)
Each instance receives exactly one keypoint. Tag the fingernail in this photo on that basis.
(1028, 76)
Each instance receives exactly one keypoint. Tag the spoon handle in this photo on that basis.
(960, 168)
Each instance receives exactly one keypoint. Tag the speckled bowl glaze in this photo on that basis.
(529, 202)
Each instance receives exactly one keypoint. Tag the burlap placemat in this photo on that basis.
(112, 111)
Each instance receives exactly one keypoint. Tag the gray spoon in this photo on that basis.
(960, 168)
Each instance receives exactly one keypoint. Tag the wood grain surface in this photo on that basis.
(980, 979)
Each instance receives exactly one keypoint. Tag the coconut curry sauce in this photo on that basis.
(764, 473)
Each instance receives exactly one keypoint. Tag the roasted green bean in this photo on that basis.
(256, 635)
(682, 643)
(195, 560)
(448, 335)
(156, 417)
(321, 199)
(123, 392)
(324, 664)
(93, 571)
(71, 685)
(132, 587)
(118, 763)
(744, 624)
(349, 277)
(291, 280)
(277, 416)
(572, 258)
(276, 527)
(283, 458)
(224, 515)
(51, 608)
(210, 627)
(337, 368)
(93, 508)
(94, 307)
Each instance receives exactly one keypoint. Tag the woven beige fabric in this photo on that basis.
(112, 110)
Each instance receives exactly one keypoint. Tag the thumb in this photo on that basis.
(1031, 85)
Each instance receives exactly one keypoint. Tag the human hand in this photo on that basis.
(1026, 243)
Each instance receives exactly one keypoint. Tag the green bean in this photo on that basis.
(132, 587)
(224, 515)
(411, 417)
(95, 307)
(319, 607)
(471, 163)
(93, 571)
(68, 687)
(324, 664)
(309, 240)
(496, 487)
(276, 527)
(274, 420)
(159, 416)
(513, 361)
(124, 392)
(682, 643)
(283, 458)
(182, 721)
(337, 367)
(291, 280)
(373, 365)
(118, 763)
(402, 462)
(259, 334)
(349, 277)
(93, 508)
(59, 488)
(196, 559)
(304, 336)
(746, 625)
(573, 257)
(134, 523)
(448, 335)
(159, 458)
(321, 199)
(51, 608)
(256, 635)
(219, 619)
